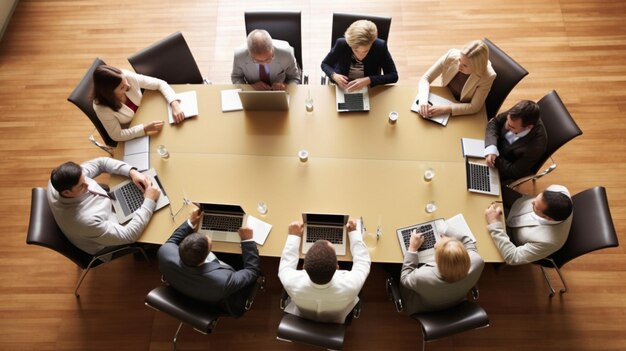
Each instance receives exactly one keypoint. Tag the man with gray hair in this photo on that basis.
(265, 63)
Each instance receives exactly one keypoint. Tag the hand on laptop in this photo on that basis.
(260, 86)
(340, 80)
(492, 214)
(279, 86)
(296, 228)
(245, 233)
(416, 241)
(177, 112)
(358, 84)
(152, 192)
(195, 218)
(140, 179)
(491, 160)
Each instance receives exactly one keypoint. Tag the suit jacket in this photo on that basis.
(330, 302)
(422, 288)
(530, 240)
(283, 68)
(517, 159)
(474, 91)
(88, 220)
(339, 58)
(113, 121)
(210, 282)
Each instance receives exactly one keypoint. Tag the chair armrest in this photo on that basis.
(394, 293)
(259, 284)
(284, 299)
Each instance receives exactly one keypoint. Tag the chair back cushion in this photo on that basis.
(281, 25)
(326, 335)
(44, 231)
(462, 317)
(341, 22)
(170, 60)
(81, 97)
(509, 73)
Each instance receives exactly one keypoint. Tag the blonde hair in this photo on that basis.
(452, 259)
(477, 52)
(361, 33)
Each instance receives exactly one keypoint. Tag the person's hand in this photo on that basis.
(152, 192)
(438, 111)
(358, 84)
(493, 213)
(424, 107)
(140, 180)
(260, 85)
(196, 218)
(340, 80)
(296, 228)
(177, 112)
(491, 160)
(245, 233)
(153, 127)
(279, 86)
(351, 225)
(416, 241)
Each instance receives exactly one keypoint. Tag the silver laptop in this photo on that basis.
(253, 100)
(481, 178)
(431, 231)
(321, 226)
(352, 101)
(127, 197)
(222, 221)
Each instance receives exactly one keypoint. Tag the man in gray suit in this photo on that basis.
(264, 63)
(515, 140)
(536, 226)
(187, 263)
(433, 286)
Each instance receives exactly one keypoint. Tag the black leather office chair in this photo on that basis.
(44, 231)
(326, 335)
(341, 22)
(560, 128)
(169, 59)
(465, 316)
(81, 97)
(281, 25)
(592, 229)
(509, 73)
(200, 315)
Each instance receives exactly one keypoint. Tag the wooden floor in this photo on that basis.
(577, 47)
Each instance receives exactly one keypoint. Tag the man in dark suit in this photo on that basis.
(515, 140)
(187, 263)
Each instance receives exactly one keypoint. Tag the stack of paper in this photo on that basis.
(473, 147)
(137, 153)
(188, 103)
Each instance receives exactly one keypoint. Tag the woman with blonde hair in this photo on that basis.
(467, 73)
(356, 61)
(433, 286)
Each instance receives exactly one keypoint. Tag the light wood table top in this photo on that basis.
(358, 164)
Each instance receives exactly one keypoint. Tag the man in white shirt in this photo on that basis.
(321, 291)
(515, 140)
(536, 226)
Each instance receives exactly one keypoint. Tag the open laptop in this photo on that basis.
(222, 221)
(353, 101)
(331, 227)
(481, 178)
(431, 231)
(127, 197)
(273, 100)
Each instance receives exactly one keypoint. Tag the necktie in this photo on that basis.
(263, 75)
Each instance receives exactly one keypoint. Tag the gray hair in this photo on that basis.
(259, 42)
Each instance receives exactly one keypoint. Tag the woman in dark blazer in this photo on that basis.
(356, 61)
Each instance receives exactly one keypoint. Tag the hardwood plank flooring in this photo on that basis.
(574, 46)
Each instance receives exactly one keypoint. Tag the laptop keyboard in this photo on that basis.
(353, 101)
(428, 233)
(133, 196)
(479, 177)
(221, 223)
(332, 234)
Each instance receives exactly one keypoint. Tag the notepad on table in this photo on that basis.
(188, 103)
(260, 229)
(434, 100)
(137, 153)
(230, 100)
(473, 147)
(458, 225)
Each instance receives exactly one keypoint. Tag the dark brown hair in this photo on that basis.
(194, 249)
(105, 79)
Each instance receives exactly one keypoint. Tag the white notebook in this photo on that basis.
(188, 103)
(437, 100)
(230, 100)
(473, 147)
(137, 153)
(260, 229)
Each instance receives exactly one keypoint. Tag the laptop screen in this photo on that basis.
(324, 219)
(222, 208)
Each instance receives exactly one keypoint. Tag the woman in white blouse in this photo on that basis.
(117, 95)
